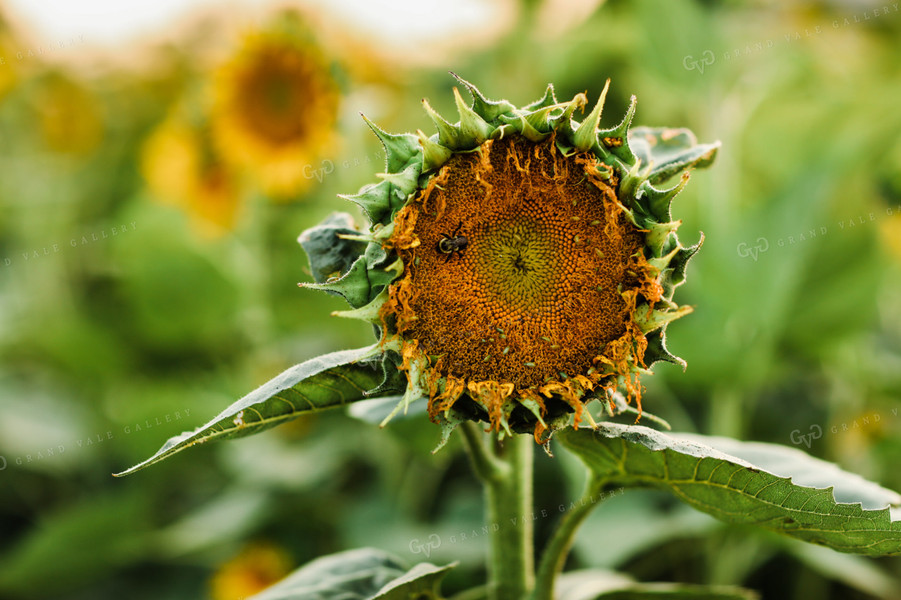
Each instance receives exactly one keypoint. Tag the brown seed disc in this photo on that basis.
(536, 290)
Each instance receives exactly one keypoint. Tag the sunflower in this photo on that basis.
(8, 74)
(181, 167)
(254, 569)
(275, 108)
(522, 263)
(891, 234)
(68, 115)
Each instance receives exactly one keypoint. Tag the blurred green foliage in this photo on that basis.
(122, 324)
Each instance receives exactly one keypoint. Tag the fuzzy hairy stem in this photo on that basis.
(554, 556)
(505, 469)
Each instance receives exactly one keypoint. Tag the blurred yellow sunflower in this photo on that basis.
(274, 108)
(181, 168)
(7, 69)
(257, 567)
(68, 115)
(891, 234)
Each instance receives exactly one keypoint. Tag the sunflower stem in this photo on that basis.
(554, 556)
(505, 468)
(487, 467)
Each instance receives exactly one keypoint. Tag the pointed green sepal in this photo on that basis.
(362, 283)
(353, 286)
(448, 422)
(630, 183)
(586, 135)
(473, 129)
(407, 181)
(659, 201)
(434, 155)
(448, 134)
(533, 408)
(579, 101)
(548, 118)
(660, 263)
(374, 199)
(376, 255)
(649, 320)
(680, 262)
(416, 388)
(489, 110)
(393, 379)
(400, 148)
(657, 351)
(658, 234)
(379, 276)
(616, 140)
(548, 99)
(506, 411)
(369, 313)
(520, 125)
(383, 233)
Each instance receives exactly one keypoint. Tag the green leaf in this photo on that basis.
(671, 151)
(233, 514)
(351, 575)
(328, 381)
(635, 520)
(783, 489)
(597, 584)
(420, 582)
(856, 572)
(363, 574)
(587, 584)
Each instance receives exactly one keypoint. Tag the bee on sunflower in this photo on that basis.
(520, 263)
(275, 107)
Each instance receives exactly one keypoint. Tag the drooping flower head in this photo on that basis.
(520, 262)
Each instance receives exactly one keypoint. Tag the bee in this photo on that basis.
(452, 244)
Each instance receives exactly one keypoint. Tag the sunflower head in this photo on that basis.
(68, 115)
(254, 569)
(520, 262)
(275, 106)
(8, 72)
(182, 168)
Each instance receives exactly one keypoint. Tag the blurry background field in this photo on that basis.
(156, 170)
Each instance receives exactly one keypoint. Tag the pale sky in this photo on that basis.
(107, 22)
